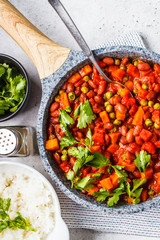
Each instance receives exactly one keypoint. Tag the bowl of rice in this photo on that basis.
(32, 196)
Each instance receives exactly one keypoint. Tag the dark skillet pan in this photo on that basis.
(55, 65)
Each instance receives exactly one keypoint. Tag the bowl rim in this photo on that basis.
(74, 59)
(19, 66)
(59, 222)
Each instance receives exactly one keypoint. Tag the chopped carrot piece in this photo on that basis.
(112, 68)
(145, 135)
(145, 73)
(118, 74)
(120, 116)
(149, 147)
(132, 70)
(123, 92)
(95, 148)
(114, 137)
(130, 167)
(114, 179)
(113, 148)
(64, 100)
(129, 85)
(92, 190)
(138, 117)
(106, 183)
(148, 174)
(52, 144)
(85, 70)
(129, 200)
(75, 78)
(104, 116)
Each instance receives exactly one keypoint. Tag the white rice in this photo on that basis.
(31, 197)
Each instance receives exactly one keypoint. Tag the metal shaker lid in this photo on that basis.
(10, 141)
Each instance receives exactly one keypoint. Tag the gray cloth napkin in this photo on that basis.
(145, 223)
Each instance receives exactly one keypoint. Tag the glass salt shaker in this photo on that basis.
(16, 141)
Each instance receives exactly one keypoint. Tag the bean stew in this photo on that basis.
(106, 141)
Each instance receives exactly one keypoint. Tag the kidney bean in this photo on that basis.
(123, 130)
(137, 130)
(54, 114)
(79, 83)
(82, 97)
(64, 87)
(50, 129)
(77, 91)
(92, 84)
(91, 125)
(54, 120)
(96, 108)
(130, 136)
(79, 134)
(101, 87)
(107, 139)
(143, 66)
(147, 115)
(114, 100)
(123, 140)
(139, 140)
(121, 108)
(108, 126)
(98, 99)
(58, 128)
(108, 60)
(91, 94)
(130, 120)
(70, 87)
(85, 84)
(57, 158)
(137, 173)
(54, 106)
(125, 61)
(157, 88)
(151, 95)
(157, 166)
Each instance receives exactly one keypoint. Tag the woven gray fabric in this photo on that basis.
(144, 223)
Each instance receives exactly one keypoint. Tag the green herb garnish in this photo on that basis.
(6, 222)
(12, 89)
(88, 141)
(142, 161)
(85, 113)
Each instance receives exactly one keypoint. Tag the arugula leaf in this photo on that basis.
(85, 183)
(98, 161)
(85, 113)
(142, 161)
(65, 120)
(89, 142)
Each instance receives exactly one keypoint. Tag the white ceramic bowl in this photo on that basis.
(60, 231)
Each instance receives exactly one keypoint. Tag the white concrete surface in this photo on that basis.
(98, 21)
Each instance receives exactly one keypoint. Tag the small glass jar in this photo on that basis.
(16, 141)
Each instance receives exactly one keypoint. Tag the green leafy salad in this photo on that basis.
(12, 88)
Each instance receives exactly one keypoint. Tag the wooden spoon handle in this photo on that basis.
(47, 56)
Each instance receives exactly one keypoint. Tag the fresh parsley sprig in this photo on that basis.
(85, 113)
(6, 222)
(142, 161)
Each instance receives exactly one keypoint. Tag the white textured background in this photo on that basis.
(98, 21)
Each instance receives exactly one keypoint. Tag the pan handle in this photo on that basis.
(47, 56)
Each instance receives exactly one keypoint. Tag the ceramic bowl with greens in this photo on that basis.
(14, 87)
